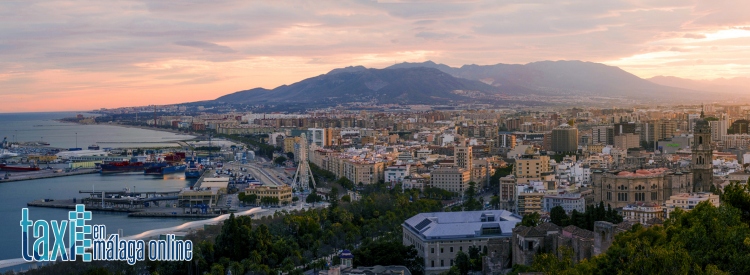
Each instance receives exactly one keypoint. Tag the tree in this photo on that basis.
(279, 160)
(234, 238)
(251, 199)
(495, 202)
(333, 197)
(531, 220)
(388, 252)
(346, 198)
(558, 216)
(738, 196)
(312, 198)
(463, 263)
(471, 202)
(290, 155)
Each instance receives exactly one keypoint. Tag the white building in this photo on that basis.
(688, 201)
(316, 136)
(439, 236)
(396, 173)
(569, 202)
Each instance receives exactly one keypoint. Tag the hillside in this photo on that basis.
(358, 84)
(574, 78)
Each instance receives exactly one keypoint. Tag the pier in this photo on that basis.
(43, 174)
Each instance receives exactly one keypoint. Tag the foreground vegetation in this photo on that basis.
(293, 242)
(705, 240)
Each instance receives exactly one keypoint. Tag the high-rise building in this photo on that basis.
(718, 129)
(627, 141)
(657, 130)
(702, 156)
(531, 167)
(739, 127)
(624, 128)
(453, 179)
(463, 156)
(316, 136)
(565, 139)
(599, 134)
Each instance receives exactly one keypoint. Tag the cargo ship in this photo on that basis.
(29, 168)
(163, 170)
(192, 171)
(122, 167)
(133, 165)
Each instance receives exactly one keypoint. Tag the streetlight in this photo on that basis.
(76, 140)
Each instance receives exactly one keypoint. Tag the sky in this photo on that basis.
(82, 55)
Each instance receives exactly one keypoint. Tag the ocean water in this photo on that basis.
(43, 127)
(15, 195)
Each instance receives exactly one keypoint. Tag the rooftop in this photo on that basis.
(466, 224)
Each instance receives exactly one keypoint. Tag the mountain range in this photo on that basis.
(432, 83)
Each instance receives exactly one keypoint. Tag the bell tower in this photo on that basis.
(702, 156)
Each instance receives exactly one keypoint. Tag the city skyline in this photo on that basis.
(81, 55)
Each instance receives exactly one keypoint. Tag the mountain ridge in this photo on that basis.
(434, 83)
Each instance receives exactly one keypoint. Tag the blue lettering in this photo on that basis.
(41, 245)
(153, 251)
(59, 247)
(25, 224)
(188, 250)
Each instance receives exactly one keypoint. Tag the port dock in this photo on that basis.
(164, 204)
(43, 174)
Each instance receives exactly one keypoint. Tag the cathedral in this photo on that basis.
(702, 156)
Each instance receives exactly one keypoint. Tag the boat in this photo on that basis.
(29, 168)
(192, 171)
(175, 157)
(5, 154)
(133, 165)
(122, 167)
(93, 147)
(163, 170)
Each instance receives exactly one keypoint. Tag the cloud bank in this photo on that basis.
(62, 55)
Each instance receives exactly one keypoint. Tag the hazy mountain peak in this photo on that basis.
(349, 69)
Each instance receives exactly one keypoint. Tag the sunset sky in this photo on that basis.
(81, 55)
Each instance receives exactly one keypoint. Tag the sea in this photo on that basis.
(43, 127)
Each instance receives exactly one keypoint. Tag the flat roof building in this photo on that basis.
(688, 201)
(439, 236)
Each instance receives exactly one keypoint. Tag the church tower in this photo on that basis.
(702, 156)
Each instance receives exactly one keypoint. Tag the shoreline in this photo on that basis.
(194, 135)
(179, 142)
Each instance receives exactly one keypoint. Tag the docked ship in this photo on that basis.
(163, 170)
(192, 171)
(10, 168)
(133, 165)
(122, 167)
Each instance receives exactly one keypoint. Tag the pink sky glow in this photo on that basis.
(82, 55)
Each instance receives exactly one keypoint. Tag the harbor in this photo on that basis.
(206, 198)
(43, 174)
